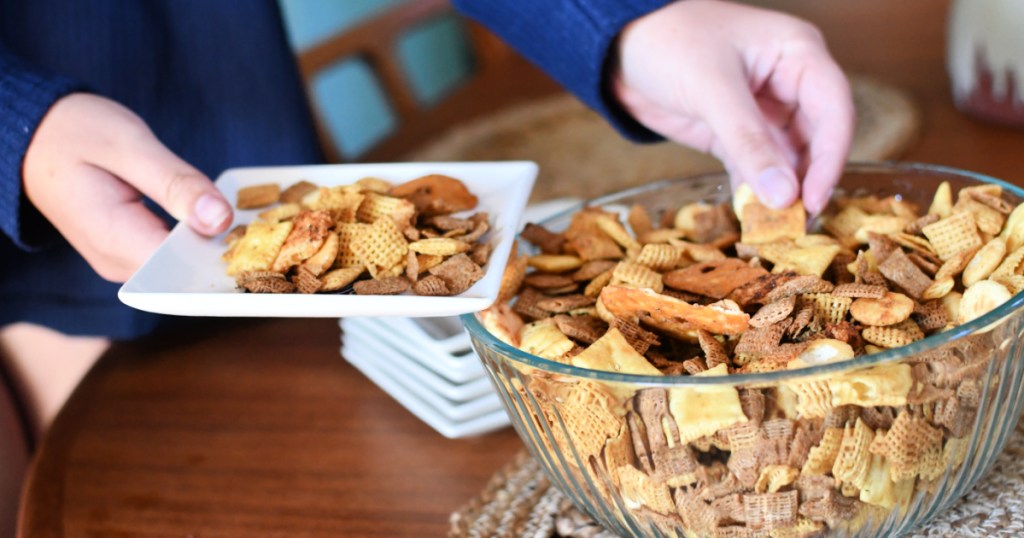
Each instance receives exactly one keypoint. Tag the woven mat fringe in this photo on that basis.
(518, 501)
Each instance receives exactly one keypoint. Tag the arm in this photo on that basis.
(755, 88)
(84, 163)
(571, 40)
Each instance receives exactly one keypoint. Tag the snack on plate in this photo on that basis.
(371, 237)
(711, 294)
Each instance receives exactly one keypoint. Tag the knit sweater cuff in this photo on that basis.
(573, 41)
(26, 94)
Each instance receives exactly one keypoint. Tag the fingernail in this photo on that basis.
(211, 211)
(815, 207)
(775, 188)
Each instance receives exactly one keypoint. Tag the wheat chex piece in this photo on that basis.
(756, 291)
(638, 337)
(255, 196)
(659, 257)
(547, 241)
(548, 281)
(459, 272)
(566, 303)
(760, 341)
(715, 224)
(382, 248)
(431, 286)
(480, 253)
(774, 312)
(980, 299)
(714, 351)
(526, 304)
(770, 510)
(858, 291)
(800, 285)
(637, 275)
(448, 223)
(890, 309)
(281, 212)
(306, 281)
(297, 191)
(715, 279)
(337, 279)
(584, 329)
(928, 266)
(914, 228)
(263, 282)
(392, 285)
(592, 269)
(932, 316)
(899, 270)
(259, 247)
(439, 246)
(953, 234)
(984, 262)
(668, 313)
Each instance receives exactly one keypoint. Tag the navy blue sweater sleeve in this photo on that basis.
(26, 94)
(571, 40)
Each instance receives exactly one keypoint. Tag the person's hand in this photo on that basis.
(755, 88)
(87, 168)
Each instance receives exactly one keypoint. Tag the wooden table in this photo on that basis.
(260, 428)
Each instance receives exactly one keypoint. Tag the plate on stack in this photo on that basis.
(428, 364)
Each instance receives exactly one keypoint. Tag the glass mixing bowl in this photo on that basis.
(609, 442)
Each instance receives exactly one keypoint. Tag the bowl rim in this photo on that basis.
(1005, 310)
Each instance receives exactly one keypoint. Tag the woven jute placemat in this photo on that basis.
(519, 501)
(580, 155)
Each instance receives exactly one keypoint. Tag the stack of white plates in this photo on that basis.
(428, 364)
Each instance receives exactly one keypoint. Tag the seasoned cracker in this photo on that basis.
(259, 247)
(715, 279)
(309, 232)
(436, 194)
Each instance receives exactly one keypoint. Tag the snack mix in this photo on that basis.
(739, 288)
(371, 237)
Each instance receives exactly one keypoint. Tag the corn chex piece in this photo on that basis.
(255, 196)
(543, 339)
(953, 234)
(704, 409)
(854, 458)
(347, 234)
(807, 260)
(980, 299)
(375, 206)
(637, 275)
(382, 248)
(890, 309)
(342, 202)
(659, 257)
(639, 490)
(984, 262)
(337, 279)
(822, 457)
(898, 335)
(989, 221)
(828, 307)
(439, 246)
(555, 263)
(259, 247)
(589, 419)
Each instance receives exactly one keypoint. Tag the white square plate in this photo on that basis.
(185, 276)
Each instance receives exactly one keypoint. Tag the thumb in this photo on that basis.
(183, 191)
(744, 141)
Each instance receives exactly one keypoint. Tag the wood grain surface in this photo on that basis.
(259, 428)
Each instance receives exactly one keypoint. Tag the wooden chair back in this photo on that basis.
(500, 77)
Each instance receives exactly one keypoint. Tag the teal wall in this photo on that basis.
(434, 56)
